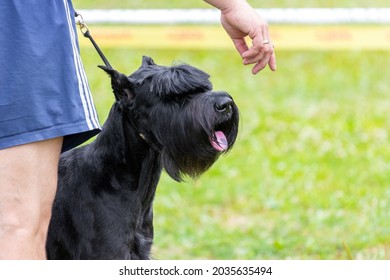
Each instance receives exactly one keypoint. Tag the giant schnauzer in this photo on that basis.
(163, 118)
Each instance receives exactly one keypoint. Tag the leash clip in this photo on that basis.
(85, 31)
(83, 26)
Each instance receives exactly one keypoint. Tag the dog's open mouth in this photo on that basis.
(219, 141)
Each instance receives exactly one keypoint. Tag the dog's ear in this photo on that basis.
(120, 83)
(146, 61)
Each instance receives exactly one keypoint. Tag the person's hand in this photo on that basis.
(242, 20)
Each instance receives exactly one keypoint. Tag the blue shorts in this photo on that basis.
(44, 91)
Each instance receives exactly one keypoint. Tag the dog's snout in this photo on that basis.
(223, 104)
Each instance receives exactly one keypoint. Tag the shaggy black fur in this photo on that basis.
(163, 117)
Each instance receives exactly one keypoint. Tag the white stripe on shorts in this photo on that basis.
(84, 90)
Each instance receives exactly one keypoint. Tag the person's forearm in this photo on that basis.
(224, 5)
(240, 21)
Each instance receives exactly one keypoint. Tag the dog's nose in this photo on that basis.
(223, 105)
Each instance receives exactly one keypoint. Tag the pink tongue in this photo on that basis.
(220, 142)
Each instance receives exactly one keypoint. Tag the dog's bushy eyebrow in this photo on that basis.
(178, 79)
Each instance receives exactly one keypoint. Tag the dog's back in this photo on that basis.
(102, 210)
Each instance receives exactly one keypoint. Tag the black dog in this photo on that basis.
(163, 117)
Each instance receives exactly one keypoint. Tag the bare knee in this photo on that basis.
(25, 202)
(27, 189)
(20, 216)
(24, 221)
(23, 232)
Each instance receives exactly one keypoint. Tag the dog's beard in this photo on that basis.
(194, 138)
(186, 149)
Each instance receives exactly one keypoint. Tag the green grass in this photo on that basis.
(309, 176)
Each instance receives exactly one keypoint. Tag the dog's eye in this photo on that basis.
(179, 99)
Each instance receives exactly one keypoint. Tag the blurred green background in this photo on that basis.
(165, 4)
(309, 175)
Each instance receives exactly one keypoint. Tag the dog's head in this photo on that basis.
(176, 111)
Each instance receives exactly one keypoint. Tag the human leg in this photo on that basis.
(28, 182)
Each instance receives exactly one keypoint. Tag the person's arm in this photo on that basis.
(239, 20)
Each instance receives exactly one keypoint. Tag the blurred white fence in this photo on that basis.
(211, 16)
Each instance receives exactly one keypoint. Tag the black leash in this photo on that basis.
(85, 31)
